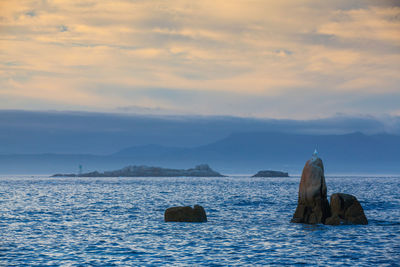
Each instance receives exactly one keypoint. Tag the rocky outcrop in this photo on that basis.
(145, 171)
(345, 209)
(185, 214)
(313, 205)
(271, 174)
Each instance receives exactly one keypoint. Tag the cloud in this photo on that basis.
(63, 28)
(375, 23)
(31, 13)
(97, 55)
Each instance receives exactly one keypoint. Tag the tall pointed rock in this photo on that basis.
(313, 206)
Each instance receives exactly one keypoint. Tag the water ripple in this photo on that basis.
(119, 221)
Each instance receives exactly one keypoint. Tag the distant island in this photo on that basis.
(271, 174)
(146, 171)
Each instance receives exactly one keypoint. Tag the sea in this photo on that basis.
(120, 222)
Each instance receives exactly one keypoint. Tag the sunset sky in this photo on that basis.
(300, 59)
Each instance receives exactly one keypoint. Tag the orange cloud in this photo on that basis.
(68, 51)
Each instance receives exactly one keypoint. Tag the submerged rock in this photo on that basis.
(313, 206)
(346, 209)
(185, 214)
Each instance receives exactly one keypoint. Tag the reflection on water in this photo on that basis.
(106, 221)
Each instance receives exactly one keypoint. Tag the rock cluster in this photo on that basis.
(313, 206)
(185, 214)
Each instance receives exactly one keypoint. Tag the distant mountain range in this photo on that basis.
(242, 152)
(349, 152)
(38, 132)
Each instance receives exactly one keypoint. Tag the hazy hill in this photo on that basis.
(33, 132)
(354, 152)
(50, 142)
(237, 153)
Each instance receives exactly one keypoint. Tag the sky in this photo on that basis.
(299, 59)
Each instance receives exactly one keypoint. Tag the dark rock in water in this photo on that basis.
(64, 175)
(333, 220)
(185, 214)
(313, 206)
(145, 171)
(346, 209)
(271, 174)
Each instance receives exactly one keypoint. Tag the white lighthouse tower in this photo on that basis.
(315, 154)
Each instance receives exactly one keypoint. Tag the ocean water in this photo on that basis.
(119, 221)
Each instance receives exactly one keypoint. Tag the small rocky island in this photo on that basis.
(146, 171)
(270, 173)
